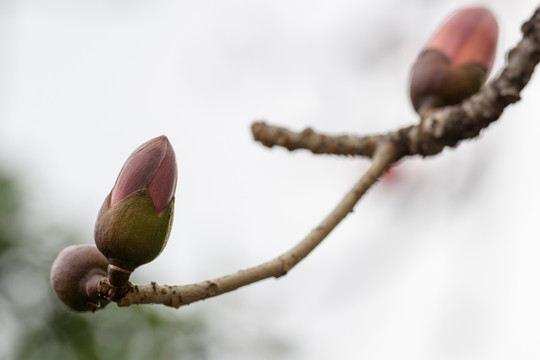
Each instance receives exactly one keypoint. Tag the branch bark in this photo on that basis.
(317, 143)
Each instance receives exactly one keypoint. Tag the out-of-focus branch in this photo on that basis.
(440, 128)
(315, 142)
(177, 296)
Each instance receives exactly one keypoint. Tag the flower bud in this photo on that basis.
(75, 275)
(134, 222)
(456, 61)
(151, 166)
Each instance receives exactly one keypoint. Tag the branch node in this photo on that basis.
(212, 289)
(282, 270)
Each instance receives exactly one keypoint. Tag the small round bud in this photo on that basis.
(75, 275)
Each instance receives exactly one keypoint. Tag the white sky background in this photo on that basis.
(439, 262)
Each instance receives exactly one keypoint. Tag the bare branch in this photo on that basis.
(440, 128)
(436, 130)
(176, 296)
(316, 143)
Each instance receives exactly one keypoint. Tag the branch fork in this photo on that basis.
(437, 129)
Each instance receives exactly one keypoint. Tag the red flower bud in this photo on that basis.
(456, 61)
(468, 36)
(151, 166)
(134, 223)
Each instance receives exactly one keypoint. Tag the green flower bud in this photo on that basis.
(131, 233)
(135, 220)
(75, 275)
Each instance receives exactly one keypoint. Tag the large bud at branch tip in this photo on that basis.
(134, 222)
(75, 275)
(456, 61)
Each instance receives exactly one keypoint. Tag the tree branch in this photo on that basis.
(436, 130)
(176, 296)
(440, 128)
(317, 143)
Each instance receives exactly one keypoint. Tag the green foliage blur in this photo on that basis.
(36, 325)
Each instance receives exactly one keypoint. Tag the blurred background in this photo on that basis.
(439, 261)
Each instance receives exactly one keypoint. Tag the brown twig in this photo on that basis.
(177, 296)
(316, 143)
